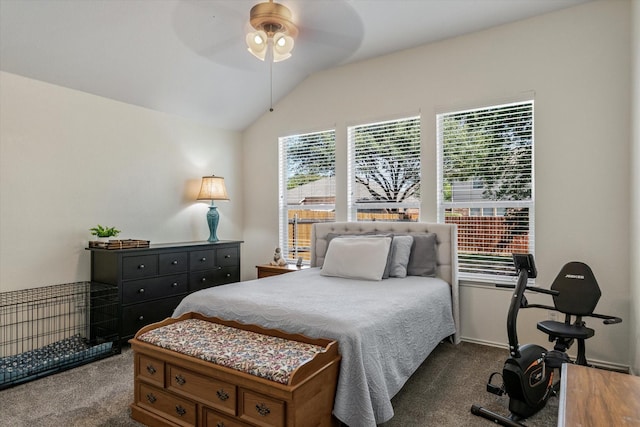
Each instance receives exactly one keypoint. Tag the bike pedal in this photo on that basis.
(494, 389)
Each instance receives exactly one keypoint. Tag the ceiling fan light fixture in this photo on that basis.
(273, 22)
(282, 47)
(257, 43)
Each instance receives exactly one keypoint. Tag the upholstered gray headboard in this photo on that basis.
(447, 247)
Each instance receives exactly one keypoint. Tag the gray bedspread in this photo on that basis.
(385, 329)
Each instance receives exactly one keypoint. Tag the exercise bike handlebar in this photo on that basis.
(607, 320)
(529, 288)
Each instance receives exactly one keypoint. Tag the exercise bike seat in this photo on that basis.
(564, 330)
(578, 295)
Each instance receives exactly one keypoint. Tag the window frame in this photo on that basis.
(503, 275)
(292, 252)
(353, 205)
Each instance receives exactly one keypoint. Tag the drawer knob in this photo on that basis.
(141, 318)
(141, 291)
(204, 279)
(151, 398)
(174, 262)
(263, 409)
(141, 266)
(180, 379)
(174, 285)
(227, 256)
(203, 259)
(219, 424)
(180, 410)
(151, 369)
(222, 395)
(228, 274)
(219, 268)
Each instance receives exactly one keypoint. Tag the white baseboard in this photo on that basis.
(594, 362)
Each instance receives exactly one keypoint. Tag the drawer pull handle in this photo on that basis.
(174, 262)
(263, 409)
(174, 285)
(151, 369)
(141, 266)
(180, 379)
(203, 259)
(222, 395)
(141, 318)
(141, 291)
(180, 410)
(151, 398)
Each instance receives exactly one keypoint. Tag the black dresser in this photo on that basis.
(152, 281)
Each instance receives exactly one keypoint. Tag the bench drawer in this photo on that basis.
(212, 418)
(213, 392)
(180, 411)
(150, 370)
(260, 409)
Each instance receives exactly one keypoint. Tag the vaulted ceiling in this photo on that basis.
(189, 58)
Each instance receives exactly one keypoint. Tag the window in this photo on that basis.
(384, 171)
(307, 189)
(485, 165)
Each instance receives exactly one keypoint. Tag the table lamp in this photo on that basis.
(213, 188)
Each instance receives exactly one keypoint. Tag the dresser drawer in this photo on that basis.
(150, 370)
(159, 287)
(138, 267)
(173, 263)
(260, 409)
(226, 257)
(211, 418)
(136, 316)
(202, 260)
(218, 276)
(176, 409)
(213, 392)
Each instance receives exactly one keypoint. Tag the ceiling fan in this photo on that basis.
(324, 32)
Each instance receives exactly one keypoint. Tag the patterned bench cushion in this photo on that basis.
(265, 356)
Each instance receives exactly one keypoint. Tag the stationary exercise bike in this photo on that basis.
(528, 374)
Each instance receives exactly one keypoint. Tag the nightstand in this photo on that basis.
(267, 270)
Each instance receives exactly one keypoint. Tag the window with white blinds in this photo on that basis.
(307, 189)
(384, 170)
(485, 185)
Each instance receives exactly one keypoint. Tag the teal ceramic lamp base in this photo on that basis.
(213, 217)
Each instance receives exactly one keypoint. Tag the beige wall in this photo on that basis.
(70, 160)
(634, 336)
(576, 62)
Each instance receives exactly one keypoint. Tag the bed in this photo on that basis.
(385, 328)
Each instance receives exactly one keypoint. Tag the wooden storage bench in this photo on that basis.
(207, 372)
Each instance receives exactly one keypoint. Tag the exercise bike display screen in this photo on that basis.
(525, 262)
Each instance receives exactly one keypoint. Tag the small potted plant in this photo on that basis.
(104, 233)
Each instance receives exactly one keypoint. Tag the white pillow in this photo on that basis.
(400, 253)
(357, 257)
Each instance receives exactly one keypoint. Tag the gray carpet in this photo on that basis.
(440, 393)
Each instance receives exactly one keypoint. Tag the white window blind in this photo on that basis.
(384, 170)
(485, 185)
(307, 189)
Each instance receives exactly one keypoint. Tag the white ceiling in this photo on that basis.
(188, 57)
